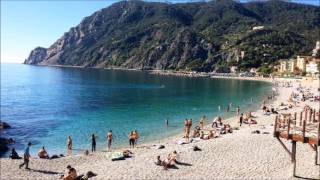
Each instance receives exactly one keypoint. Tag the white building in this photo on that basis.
(316, 50)
(312, 67)
(257, 28)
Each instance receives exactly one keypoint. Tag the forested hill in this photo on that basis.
(201, 36)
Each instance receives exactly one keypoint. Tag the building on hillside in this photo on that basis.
(287, 66)
(257, 28)
(253, 70)
(312, 66)
(316, 50)
(301, 63)
(233, 69)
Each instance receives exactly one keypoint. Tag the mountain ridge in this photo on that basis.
(201, 36)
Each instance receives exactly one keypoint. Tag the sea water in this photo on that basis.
(44, 105)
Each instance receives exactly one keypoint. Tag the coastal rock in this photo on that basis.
(4, 125)
(36, 56)
(4, 142)
(201, 36)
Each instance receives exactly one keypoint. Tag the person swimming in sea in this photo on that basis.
(167, 122)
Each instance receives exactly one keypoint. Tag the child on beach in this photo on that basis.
(238, 110)
(241, 119)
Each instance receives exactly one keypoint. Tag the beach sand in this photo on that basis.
(240, 155)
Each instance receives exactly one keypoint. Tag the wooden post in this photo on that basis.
(288, 131)
(314, 115)
(319, 116)
(304, 131)
(293, 156)
(300, 123)
(275, 126)
(316, 158)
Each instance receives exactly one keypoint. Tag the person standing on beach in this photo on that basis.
(131, 139)
(241, 119)
(187, 134)
(136, 136)
(109, 138)
(238, 110)
(69, 143)
(26, 157)
(201, 123)
(185, 125)
(93, 143)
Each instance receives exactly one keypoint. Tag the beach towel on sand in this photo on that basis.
(116, 156)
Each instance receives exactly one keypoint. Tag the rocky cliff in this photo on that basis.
(197, 36)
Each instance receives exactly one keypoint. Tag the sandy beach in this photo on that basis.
(237, 155)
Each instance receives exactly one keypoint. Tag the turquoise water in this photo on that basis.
(46, 104)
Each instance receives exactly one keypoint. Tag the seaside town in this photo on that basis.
(67, 114)
(299, 66)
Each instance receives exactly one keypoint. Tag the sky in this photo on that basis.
(28, 24)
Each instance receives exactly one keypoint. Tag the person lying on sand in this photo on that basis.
(210, 135)
(43, 153)
(126, 153)
(250, 121)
